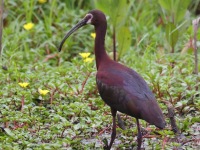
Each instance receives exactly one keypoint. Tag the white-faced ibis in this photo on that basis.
(122, 88)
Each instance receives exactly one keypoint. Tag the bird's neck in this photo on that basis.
(100, 53)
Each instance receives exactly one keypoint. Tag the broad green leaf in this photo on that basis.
(9, 132)
(117, 10)
(176, 9)
(180, 9)
(124, 40)
(166, 4)
(171, 34)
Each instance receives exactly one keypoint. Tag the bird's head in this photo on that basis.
(93, 17)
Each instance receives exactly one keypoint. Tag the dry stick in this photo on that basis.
(52, 95)
(171, 115)
(120, 122)
(1, 23)
(22, 103)
(195, 23)
(62, 134)
(84, 82)
(164, 142)
(102, 131)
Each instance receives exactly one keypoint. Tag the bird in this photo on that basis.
(120, 87)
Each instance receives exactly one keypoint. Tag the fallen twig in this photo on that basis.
(171, 115)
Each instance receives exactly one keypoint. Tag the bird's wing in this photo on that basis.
(136, 84)
(124, 88)
(123, 82)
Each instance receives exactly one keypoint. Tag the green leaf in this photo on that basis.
(117, 10)
(166, 4)
(171, 34)
(124, 40)
(175, 9)
(9, 132)
(180, 9)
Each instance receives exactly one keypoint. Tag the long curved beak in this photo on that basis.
(76, 27)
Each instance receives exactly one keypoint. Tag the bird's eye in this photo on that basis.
(89, 17)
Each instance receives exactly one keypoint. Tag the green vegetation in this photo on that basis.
(70, 114)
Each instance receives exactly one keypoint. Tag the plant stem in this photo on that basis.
(114, 44)
(1, 23)
(84, 82)
(195, 27)
(22, 103)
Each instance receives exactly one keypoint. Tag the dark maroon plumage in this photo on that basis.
(120, 87)
(126, 91)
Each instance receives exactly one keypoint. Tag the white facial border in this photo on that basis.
(90, 20)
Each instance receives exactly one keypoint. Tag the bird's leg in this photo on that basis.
(114, 112)
(139, 136)
(113, 135)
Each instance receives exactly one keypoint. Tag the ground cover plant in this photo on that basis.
(49, 100)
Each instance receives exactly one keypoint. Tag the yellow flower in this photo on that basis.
(23, 84)
(88, 60)
(43, 92)
(93, 35)
(42, 1)
(28, 26)
(84, 55)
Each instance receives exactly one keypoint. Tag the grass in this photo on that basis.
(72, 115)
